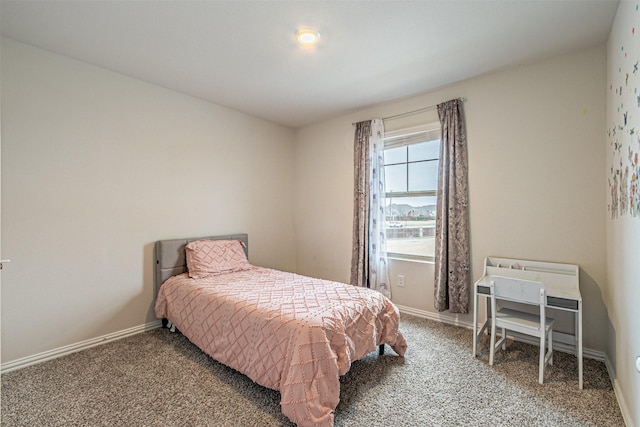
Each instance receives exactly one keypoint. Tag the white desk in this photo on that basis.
(560, 280)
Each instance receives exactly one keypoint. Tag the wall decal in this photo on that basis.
(624, 140)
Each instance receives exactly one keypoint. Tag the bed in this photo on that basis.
(287, 332)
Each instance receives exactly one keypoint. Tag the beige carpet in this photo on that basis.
(160, 379)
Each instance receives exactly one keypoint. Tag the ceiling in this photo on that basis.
(243, 54)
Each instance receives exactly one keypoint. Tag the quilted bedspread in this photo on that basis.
(287, 332)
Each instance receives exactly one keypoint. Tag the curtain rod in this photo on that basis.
(411, 113)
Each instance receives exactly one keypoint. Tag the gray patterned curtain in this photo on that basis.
(452, 280)
(360, 241)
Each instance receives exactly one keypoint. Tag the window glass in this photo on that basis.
(429, 150)
(411, 179)
(423, 176)
(395, 177)
(395, 155)
(411, 226)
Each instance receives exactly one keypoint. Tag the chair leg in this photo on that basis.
(542, 353)
(504, 338)
(550, 345)
(492, 343)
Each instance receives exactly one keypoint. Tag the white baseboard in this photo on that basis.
(450, 319)
(561, 342)
(83, 345)
(626, 413)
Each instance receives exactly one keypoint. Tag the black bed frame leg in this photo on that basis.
(381, 349)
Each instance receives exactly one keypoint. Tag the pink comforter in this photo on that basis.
(286, 332)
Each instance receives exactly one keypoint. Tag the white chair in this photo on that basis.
(527, 292)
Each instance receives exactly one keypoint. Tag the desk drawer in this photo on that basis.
(484, 290)
(569, 304)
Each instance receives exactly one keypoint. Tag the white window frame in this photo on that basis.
(406, 137)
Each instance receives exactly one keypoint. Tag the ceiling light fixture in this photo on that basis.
(307, 37)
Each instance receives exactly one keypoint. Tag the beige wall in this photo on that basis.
(536, 188)
(623, 230)
(96, 166)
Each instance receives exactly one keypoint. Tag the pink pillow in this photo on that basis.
(211, 257)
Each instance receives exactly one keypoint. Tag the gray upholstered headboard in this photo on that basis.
(170, 258)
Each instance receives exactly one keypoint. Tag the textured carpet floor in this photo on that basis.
(160, 379)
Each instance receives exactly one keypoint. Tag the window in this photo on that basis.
(411, 159)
